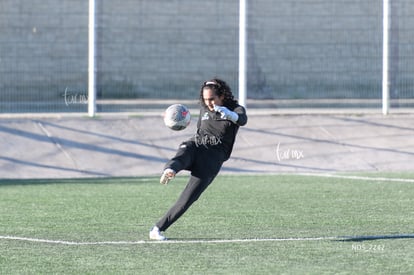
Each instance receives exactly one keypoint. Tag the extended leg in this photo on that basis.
(195, 187)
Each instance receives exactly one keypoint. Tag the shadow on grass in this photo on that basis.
(92, 180)
(375, 237)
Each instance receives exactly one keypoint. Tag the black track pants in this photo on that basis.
(204, 165)
(190, 194)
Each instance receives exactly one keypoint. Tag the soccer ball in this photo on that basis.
(177, 117)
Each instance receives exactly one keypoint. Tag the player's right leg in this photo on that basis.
(182, 160)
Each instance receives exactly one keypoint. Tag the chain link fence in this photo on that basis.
(301, 53)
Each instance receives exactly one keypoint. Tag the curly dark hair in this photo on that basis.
(220, 88)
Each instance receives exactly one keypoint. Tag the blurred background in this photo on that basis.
(300, 53)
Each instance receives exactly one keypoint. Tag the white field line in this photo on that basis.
(194, 241)
(353, 177)
(206, 241)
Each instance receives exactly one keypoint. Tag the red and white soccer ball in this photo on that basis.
(177, 117)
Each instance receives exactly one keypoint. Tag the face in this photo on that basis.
(211, 99)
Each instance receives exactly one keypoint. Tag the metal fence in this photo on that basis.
(300, 53)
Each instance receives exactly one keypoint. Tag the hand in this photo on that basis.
(226, 113)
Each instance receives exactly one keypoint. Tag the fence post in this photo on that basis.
(242, 52)
(91, 61)
(385, 57)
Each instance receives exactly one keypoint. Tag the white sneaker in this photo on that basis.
(155, 234)
(167, 175)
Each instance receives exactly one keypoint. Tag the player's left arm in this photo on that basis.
(237, 116)
(242, 116)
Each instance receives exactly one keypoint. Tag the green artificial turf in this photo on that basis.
(263, 224)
